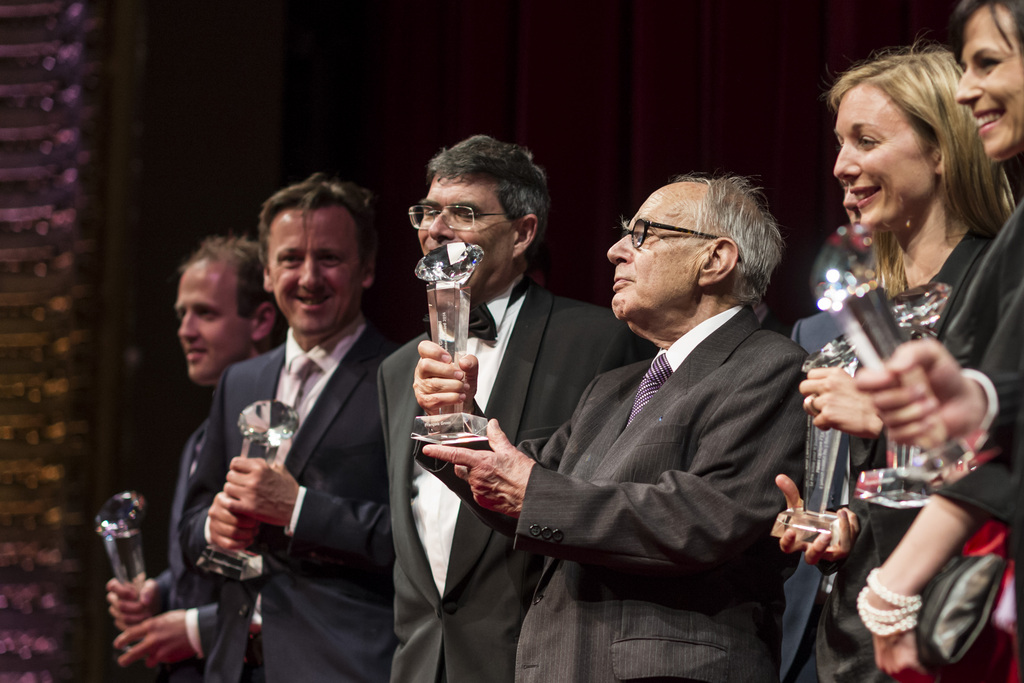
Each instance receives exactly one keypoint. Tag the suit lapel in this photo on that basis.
(958, 265)
(346, 378)
(408, 545)
(513, 380)
(703, 360)
(511, 385)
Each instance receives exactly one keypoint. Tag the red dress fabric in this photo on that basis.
(992, 659)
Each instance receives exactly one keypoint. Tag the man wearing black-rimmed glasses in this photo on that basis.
(461, 590)
(653, 504)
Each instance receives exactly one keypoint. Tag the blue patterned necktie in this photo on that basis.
(652, 381)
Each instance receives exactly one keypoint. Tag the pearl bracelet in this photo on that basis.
(911, 601)
(886, 622)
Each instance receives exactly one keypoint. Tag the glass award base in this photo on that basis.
(807, 523)
(909, 487)
(894, 487)
(233, 564)
(453, 428)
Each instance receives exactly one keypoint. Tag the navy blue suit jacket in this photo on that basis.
(327, 598)
(181, 588)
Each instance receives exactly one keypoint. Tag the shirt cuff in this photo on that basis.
(206, 530)
(294, 521)
(192, 631)
(992, 410)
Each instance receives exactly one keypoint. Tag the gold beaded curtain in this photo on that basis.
(47, 354)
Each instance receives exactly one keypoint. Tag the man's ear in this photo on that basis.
(525, 232)
(263, 319)
(720, 262)
(368, 271)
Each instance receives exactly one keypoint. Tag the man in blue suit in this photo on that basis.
(225, 317)
(322, 609)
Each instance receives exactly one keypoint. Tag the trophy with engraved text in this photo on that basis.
(446, 270)
(118, 523)
(265, 426)
(820, 458)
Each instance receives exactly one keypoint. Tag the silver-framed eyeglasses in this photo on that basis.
(637, 231)
(455, 216)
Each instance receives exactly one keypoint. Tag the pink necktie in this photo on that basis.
(299, 372)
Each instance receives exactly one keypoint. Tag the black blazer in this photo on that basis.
(558, 345)
(327, 603)
(845, 651)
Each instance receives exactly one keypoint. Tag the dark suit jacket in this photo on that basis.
(327, 600)
(845, 651)
(557, 347)
(181, 588)
(661, 564)
(987, 335)
(800, 620)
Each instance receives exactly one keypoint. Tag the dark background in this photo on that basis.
(233, 99)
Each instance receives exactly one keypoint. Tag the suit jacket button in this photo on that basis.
(557, 535)
(538, 598)
(535, 530)
(243, 611)
(449, 607)
(545, 533)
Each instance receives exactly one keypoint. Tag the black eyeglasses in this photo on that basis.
(638, 234)
(456, 217)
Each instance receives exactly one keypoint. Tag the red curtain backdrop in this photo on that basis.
(612, 96)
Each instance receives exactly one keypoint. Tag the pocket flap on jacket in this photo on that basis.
(640, 658)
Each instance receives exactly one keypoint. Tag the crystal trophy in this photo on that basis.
(849, 290)
(264, 425)
(118, 524)
(446, 269)
(813, 517)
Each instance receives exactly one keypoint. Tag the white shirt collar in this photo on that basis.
(325, 359)
(683, 346)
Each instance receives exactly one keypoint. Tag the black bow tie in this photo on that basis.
(481, 324)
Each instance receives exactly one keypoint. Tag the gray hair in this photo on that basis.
(735, 208)
(522, 184)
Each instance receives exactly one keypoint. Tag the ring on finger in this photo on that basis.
(809, 405)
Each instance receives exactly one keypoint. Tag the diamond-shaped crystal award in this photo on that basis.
(118, 523)
(446, 269)
(264, 426)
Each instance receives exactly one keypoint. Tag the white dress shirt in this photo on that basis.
(434, 507)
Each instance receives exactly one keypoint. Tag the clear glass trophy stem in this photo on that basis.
(819, 473)
(124, 548)
(118, 524)
(449, 307)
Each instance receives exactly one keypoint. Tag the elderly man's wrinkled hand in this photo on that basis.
(497, 478)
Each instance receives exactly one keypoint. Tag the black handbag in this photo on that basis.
(957, 604)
